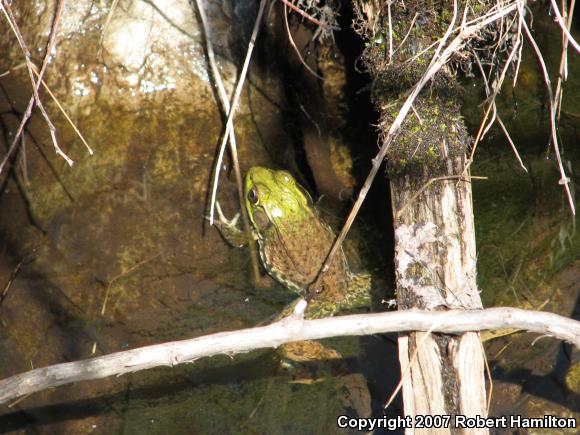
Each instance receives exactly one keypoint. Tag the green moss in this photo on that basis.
(418, 146)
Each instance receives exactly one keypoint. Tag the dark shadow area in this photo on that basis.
(362, 138)
(381, 369)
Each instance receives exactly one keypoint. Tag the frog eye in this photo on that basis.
(253, 196)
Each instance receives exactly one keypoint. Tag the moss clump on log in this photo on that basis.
(400, 44)
(427, 140)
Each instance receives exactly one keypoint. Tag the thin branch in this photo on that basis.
(14, 68)
(389, 3)
(305, 15)
(407, 34)
(233, 105)
(223, 97)
(35, 84)
(492, 106)
(293, 44)
(512, 144)
(563, 26)
(564, 180)
(563, 69)
(518, 41)
(11, 279)
(492, 13)
(122, 275)
(106, 26)
(500, 122)
(489, 379)
(70, 121)
(289, 329)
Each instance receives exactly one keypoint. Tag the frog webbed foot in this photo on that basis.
(230, 229)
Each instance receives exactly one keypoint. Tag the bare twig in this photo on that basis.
(71, 123)
(389, 3)
(234, 102)
(293, 44)
(107, 22)
(14, 68)
(519, 38)
(564, 180)
(292, 328)
(35, 84)
(488, 18)
(305, 15)
(13, 276)
(122, 275)
(225, 103)
(407, 34)
(500, 122)
(512, 144)
(563, 69)
(489, 378)
(564, 27)
(491, 106)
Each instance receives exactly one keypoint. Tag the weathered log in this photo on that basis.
(435, 239)
(435, 259)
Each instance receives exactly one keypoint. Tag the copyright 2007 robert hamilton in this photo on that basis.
(457, 421)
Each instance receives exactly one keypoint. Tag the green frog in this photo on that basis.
(294, 241)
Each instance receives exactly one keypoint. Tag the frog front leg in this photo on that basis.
(231, 229)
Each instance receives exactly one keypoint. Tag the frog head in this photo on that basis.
(275, 198)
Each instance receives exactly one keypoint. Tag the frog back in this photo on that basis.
(293, 254)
